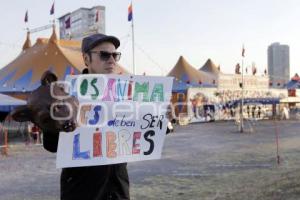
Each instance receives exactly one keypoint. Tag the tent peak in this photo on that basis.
(27, 43)
(53, 38)
(182, 60)
(210, 67)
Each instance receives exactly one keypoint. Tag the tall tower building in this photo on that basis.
(279, 64)
(82, 22)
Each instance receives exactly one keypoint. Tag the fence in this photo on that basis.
(12, 131)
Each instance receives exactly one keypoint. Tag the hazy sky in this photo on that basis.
(166, 29)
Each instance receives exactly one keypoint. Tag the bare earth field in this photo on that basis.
(200, 161)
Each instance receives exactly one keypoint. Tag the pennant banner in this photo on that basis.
(26, 17)
(52, 9)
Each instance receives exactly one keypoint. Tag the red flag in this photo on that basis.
(26, 16)
(243, 51)
(52, 9)
(97, 16)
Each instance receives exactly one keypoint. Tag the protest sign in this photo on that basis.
(120, 118)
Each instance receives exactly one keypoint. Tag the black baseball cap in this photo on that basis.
(91, 41)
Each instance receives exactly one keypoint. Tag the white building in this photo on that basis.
(279, 64)
(82, 22)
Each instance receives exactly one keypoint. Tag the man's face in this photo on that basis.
(98, 65)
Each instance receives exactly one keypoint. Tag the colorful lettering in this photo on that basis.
(146, 136)
(111, 145)
(129, 93)
(83, 87)
(135, 145)
(141, 89)
(84, 109)
(97, 141)
(94, 96)
(77, 154)
(124, 137)
(94, 121)
(157, 92)
(109, 90)
(121, 90)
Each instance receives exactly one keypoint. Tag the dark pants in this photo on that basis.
(95, 183)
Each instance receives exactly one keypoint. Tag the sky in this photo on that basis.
(166, 29)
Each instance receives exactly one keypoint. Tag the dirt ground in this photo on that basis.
(209, 161)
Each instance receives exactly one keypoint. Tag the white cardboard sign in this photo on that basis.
(121, 118)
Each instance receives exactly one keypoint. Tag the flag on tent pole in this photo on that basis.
(254, 70)
(243, 51)
(68, 22)
(26, 17)
(52, 9)
(97, 16)
(130, 12)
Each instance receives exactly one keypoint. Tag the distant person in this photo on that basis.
(248, 111)
(253, 112)
(285, 113)
(35, 134)
(231, 112)
(259, 112)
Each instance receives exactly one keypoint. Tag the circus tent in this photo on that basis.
(294, 83)
(210, 67)
(185, 75)
(7, 103)
(62, 57)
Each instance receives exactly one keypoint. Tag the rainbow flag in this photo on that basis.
(130, 12)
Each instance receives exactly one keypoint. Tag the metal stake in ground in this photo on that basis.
(277, 142)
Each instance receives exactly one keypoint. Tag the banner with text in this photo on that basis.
(121, 118)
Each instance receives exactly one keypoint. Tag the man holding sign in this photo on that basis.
(121, 119)
(106, 181)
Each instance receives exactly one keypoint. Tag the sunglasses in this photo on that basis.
(105, 56)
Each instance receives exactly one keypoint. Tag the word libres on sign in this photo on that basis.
(122, 143)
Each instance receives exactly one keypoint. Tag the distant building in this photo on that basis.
(82, 22)
(279, 64)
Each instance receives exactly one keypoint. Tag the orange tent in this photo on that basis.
(62, 57)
